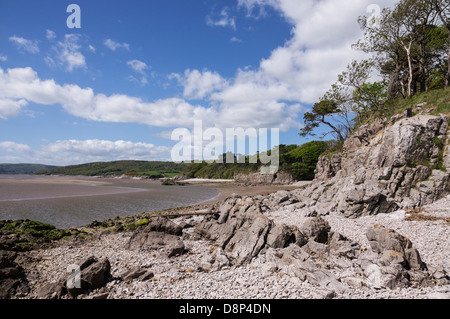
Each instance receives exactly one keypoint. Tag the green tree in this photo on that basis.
(442, 8)
(321, 111)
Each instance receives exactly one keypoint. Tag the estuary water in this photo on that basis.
(66, 201)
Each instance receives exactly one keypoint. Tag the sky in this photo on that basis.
(114, 79)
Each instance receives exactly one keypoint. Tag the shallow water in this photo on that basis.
(76, 201)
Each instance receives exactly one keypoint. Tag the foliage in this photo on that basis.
(23, 168)
(304, 159)
(131, 168)
(325, 108)
(299, 161)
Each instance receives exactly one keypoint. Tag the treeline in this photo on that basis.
(409, 47)
(117, 168)
(15, 169)
(299, 161)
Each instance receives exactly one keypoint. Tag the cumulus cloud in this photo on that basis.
(305, 66)
(12, 147)
(197, 85)
(67, 53)
(25, 45)
(10, 108)
(24, 84)
(104, 150)
(66, 152)
(113, 45)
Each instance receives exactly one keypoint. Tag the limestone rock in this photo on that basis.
(384, 167)
(159, 232)
(176, 248)
(94, 273)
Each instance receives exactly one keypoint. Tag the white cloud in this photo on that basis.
(92, 48)
(12, 147)
(24, 84)
(3, 58)
(138, 66)
(65, 152)
(10, 108)
(308, 63)
(198, 85)
(113, 45)
(24, 44)
(50, 35)
(223, 19)
(67, 54)
(103, 150)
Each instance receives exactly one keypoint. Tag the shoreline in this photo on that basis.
(225, 189)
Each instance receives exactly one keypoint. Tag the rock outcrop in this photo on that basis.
(12, 276)
(258, 179)
(311, 251)
(384, 167)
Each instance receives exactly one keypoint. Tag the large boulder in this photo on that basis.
(160, 231)
(93, 274)
(394, 247)
(87, 275)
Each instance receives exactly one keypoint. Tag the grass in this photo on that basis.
(438, 99)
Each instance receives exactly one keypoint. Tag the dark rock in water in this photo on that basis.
(172, 182)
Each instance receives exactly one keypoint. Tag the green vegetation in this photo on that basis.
(438, 99)
(299, 161)
(23, 168)
(26, 234)
(303, 159)
(117, 168)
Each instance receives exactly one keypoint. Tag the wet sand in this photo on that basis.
(67, 201)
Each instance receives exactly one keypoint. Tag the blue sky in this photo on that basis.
(136, 70)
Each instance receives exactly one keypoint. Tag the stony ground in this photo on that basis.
(185, 276)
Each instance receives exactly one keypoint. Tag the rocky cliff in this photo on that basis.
(384, 166)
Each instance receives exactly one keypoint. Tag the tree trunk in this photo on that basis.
(410, 78)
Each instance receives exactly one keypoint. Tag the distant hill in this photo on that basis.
(117, 168)
(23, 168)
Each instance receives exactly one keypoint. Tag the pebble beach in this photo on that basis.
(185, 277)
